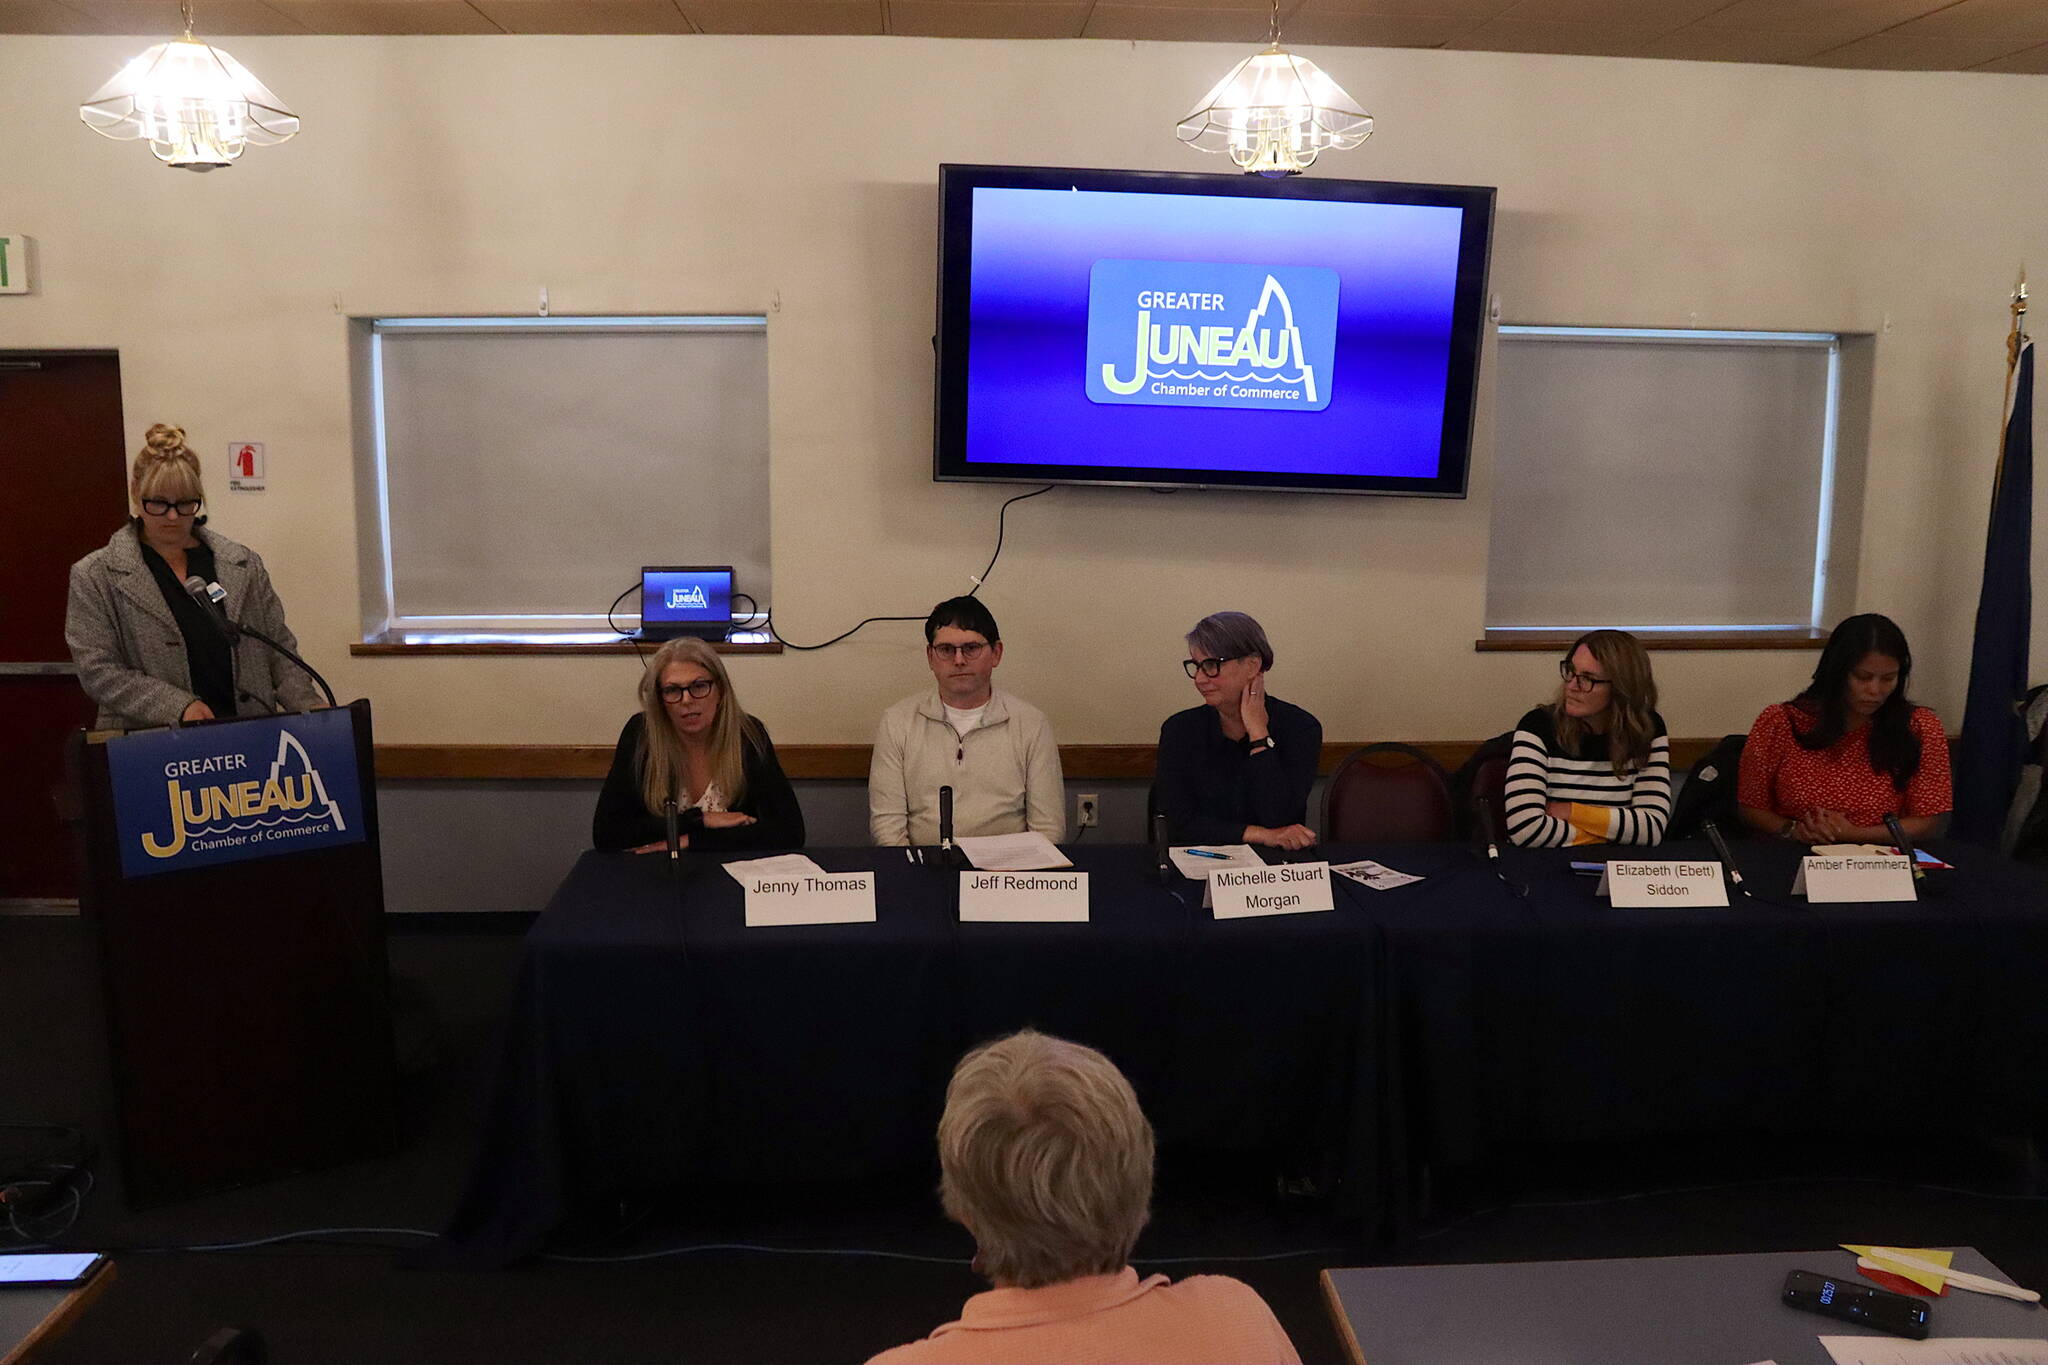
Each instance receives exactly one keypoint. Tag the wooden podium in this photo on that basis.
(230, 873)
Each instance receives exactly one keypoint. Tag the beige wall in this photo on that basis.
(796, 177)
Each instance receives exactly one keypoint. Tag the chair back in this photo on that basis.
(1484, 776)
(1388, 794)
(1708, 793)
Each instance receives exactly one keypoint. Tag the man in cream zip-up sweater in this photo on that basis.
(996, 752)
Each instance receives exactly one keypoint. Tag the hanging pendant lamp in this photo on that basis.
(198, 107)
(1274, 112)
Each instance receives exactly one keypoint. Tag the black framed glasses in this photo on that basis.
(1209, 668)
(163, 507)
(675, 692)
(1584, 681)
(966, 653)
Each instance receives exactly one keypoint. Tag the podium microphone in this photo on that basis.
(1905, 845)
(1159, 847)
(1489, 827)
(675, 837)
(215, 598)
(1713, 833)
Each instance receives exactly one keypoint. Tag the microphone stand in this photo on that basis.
(1713, 833)
(1489, 826)
(214, 597)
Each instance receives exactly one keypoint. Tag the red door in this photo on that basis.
(65, 467)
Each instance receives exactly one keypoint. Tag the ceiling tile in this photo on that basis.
(1372, 30)
(386, 16)
(1889, 53)
(785, 16)
(45, 16)
(1146, 22)
(2032, 61)
(584, 16)
(1844, 18)
(2024, 20)
(986, 19)
(1589, 40)
(1666, 14)
(1404, 9)
(222, 18)
(1698, 43)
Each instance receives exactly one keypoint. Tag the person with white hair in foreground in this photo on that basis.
(1046, 1159)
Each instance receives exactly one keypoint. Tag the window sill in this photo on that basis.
(1543, 641)
(443, 645)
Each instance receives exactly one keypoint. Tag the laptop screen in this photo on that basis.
(699, 595)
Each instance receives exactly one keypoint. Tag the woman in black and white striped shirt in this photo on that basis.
(1593, 766)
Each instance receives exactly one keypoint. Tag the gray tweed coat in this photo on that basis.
(131, 655)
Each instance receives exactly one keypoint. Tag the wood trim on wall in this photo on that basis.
(1543, 641)
(389, 643)
(833, 762)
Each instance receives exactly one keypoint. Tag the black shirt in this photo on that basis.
(622, 819)
(1210, 786)
(207, 652)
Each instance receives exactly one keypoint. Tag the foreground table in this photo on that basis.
(1671, 1310)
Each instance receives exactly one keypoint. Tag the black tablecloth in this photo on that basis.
(655, 1040)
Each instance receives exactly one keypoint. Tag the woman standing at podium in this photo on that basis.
(692, 744)
(147, 652)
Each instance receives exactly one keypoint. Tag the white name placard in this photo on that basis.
(1023, 897)
(830, 898)
(1635, 884)
(1834, 880)
(1285, 889)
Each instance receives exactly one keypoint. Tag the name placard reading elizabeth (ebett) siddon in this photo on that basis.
(1288, 889)
(804, 898)
(1634, 885)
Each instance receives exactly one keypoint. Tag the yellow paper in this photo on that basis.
(1925, 1279)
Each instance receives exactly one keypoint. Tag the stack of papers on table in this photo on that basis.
(781, 867)
(1191, 863)
(1026, 852)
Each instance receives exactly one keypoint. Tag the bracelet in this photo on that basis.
(1785, 832)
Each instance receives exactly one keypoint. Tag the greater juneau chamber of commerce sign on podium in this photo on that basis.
(209, 794)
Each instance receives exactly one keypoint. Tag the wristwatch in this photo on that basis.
(1260, 746)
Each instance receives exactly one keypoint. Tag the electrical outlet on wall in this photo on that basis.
(1087, 811)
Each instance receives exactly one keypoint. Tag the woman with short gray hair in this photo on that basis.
(1046, 1159)
(1237, 769)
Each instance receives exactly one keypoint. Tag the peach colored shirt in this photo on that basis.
(1109, 1320)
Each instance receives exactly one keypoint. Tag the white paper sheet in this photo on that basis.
(1197, 868)
(782, 866)
(1375, 875)
(1937, 1351)
(1026, 852)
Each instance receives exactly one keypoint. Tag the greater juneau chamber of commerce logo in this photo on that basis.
(243, 790)
(1213, 335)
(692, 596)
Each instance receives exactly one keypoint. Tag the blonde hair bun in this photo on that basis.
(164, 440)
(166, 465)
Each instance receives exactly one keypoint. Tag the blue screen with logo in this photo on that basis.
(685, 597)
(1143, 327)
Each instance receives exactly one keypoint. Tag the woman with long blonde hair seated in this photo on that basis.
(691, 744)
(1594, 765)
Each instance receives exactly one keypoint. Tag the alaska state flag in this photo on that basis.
(1994, 735)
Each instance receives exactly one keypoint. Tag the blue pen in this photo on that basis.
(1205, 853)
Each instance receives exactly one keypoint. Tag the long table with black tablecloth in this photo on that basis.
(656, 1041)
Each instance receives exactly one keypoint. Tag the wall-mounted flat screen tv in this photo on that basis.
(1178, 330)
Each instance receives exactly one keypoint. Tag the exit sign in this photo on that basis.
(15, 262)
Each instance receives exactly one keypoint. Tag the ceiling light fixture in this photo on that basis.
(1274, 112)
(197, 106)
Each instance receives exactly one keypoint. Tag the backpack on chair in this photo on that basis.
(1709, 792)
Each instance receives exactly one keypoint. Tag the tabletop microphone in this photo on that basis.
(675, 836)
(1159, 848)
(945, 819)
(1713, 833)
(1905, 845)
(1489, 829)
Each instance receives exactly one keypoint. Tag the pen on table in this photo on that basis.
(1205, 853)
(1976, 1283)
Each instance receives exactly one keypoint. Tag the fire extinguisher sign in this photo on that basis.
(245, 466)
